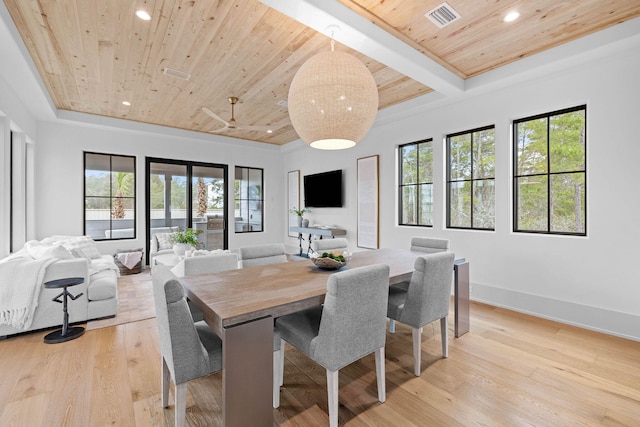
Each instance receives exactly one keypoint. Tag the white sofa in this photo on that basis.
(99, 290)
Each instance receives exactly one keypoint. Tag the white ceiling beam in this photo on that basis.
(22, 75)
(365, 37)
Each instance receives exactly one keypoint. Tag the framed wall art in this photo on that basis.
(368, 202)
(293, 200)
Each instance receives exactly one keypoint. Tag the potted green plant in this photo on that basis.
(300, 213)
(185, 240)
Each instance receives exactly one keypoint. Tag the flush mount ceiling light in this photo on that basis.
(143, 14)
(333, 100)
(127, 103)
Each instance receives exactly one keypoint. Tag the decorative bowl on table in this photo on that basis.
(331, 260)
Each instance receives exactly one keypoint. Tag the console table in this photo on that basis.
(318, 231)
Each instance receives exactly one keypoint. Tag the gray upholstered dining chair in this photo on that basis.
(270, 253)
(201, 265)
(349, 326)
(336, 244)
(189, 350)
(426, 300)
(429, 245)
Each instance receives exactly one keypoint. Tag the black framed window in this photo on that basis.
(415, 191)
(471, 179)
(248, 199)
(550, 175)
(12, 167)
(109, 196)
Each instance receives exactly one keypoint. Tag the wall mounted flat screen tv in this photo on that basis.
(323, 190)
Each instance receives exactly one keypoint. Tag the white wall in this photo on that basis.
(589, 281)
(14, 116)
(59, 164)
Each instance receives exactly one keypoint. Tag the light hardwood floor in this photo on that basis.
(510, 370)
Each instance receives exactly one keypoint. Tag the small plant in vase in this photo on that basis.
(300, 213)
(185, 240)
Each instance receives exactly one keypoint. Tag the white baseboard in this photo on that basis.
(610, 322)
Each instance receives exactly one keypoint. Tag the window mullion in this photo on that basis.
(548, 175)
(471, 164)
(110, 194)
(189, 195)
(417, 186)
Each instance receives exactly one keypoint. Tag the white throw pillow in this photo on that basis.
(86, 244)
(165, 240)
(58, 251)
(38, 250)
(79, 253)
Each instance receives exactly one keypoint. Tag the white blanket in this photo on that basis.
(129, 259)
(101, 264)
(20, 284)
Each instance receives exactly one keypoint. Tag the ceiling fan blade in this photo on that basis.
(261, 128)
(231, 124)
(214, 116)
(222, 129)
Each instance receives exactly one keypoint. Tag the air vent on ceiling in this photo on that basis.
(442, 15)
(176, 73)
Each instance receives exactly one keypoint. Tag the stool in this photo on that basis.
(66, 333)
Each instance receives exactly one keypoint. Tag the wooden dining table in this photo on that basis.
(241, 305)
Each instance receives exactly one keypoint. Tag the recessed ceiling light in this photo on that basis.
(127, 103)
(143, 14)
(269, 131)
(511, 16)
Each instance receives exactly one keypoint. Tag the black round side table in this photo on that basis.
(66, 333)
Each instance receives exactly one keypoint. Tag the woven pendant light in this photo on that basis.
(333, 101)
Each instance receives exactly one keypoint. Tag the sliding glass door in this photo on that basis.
(167, 195)
(187, 195)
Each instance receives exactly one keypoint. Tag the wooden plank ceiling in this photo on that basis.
(93, 54)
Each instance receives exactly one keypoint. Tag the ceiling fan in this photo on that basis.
(231, 124)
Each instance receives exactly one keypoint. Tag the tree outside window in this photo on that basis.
(550, 173)
(471, 179)
(416, 183)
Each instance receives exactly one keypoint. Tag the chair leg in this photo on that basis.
(282, 346)
(165, 380)
(276, 377)
(444, 333)
(392, 326)
(417, 350)
(181, 404)
(332, 394)
(382, 389)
